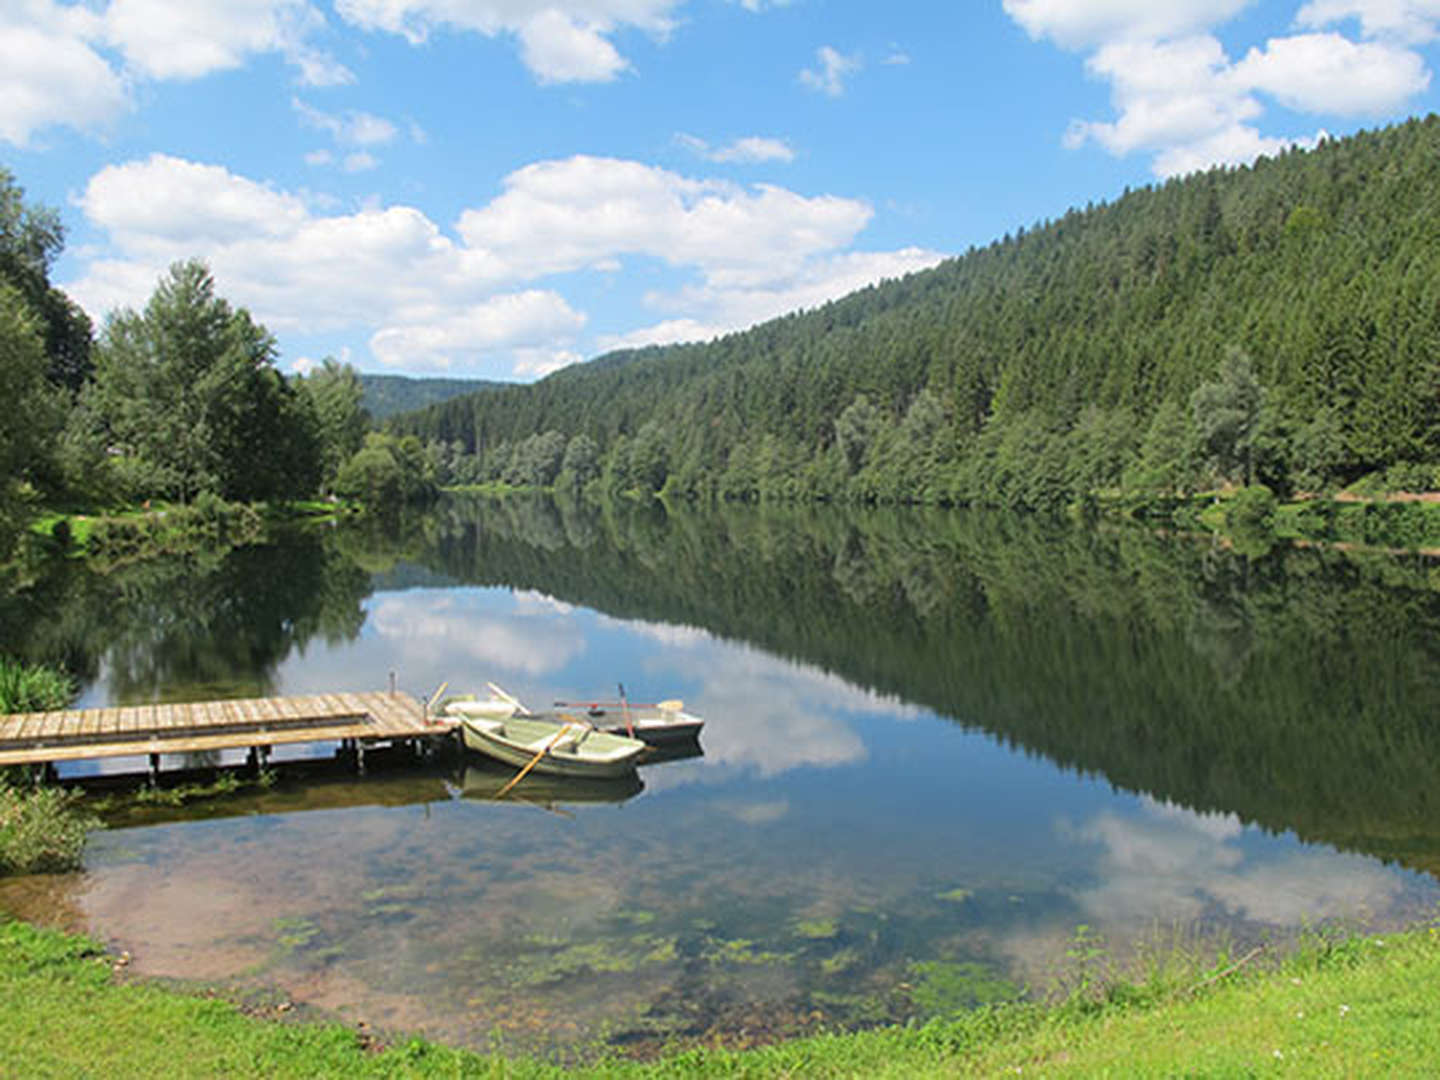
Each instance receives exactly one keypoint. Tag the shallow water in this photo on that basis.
(843, 852)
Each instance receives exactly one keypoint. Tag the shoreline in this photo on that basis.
(1335, 1005)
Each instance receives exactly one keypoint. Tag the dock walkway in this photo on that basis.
(246, 724)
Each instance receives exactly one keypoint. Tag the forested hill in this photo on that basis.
(1276, 323)
(387, 395)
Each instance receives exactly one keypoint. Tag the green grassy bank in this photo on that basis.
(1351, 1007)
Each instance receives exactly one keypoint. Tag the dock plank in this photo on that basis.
(180, 727)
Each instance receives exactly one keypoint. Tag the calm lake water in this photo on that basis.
(935, 745)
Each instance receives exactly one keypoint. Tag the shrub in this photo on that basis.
(32, 687)
(41, 830)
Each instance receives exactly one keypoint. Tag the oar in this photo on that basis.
(435, 697)
(668, 705)
(629, 727)
(508, 698)
(536, 759)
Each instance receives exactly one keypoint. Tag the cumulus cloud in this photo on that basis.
(164, 40)
(1413, 21)
(75, 65)
(830, 72)
(51, 74)
(1181, 98)
(583, 212)
(449, 338)
(1326, 73)
(475, 299)
(1076, 24)
(561, 40)
(750, 150)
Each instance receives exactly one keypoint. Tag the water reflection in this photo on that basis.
(934, 744)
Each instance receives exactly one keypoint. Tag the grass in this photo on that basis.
(1334, 1007)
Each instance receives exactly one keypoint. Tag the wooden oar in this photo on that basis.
(536, 759)
(668, 705)
(508, 699)
(624, 708)
(435, 697)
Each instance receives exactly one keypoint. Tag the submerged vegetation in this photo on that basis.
(1335, 1006)
(1266, 325)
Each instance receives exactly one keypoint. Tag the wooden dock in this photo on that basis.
(254, 724)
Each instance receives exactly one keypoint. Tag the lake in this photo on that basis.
(936, 744)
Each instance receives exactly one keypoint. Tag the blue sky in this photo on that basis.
(496, 188)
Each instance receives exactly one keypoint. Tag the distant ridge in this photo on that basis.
(389, 395)
(1273, 323)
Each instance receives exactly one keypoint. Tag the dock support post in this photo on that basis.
(359, 757)
(154, 769)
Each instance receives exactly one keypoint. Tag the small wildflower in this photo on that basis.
(1300, 1015)
(1344, 1009)
(1280, 1055)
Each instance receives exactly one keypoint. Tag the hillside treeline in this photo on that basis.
(1276, 323)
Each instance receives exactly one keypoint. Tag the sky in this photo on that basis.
(499, 188)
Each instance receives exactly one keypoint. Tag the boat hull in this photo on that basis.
(516, 741)
(655, 727)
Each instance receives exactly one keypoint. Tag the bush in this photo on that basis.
(32, 687)
(41, 830)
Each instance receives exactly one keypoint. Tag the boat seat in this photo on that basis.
(567, 741)
(487, 724)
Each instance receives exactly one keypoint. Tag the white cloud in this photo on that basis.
(450, 338)
(582, 212)
(353, 128)
(164, 40)
(558, 48)
(1179, 97)
(1077, 24)
(729, 299)
(472, 300)
(51, 75)
(1326, 73)
(75, 64)
(829, 75)
(1411, 21)
(752, 149)
(561, 40)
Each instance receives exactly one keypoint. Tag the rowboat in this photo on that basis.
(652, 724)
(559, 746)
(662, 723)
